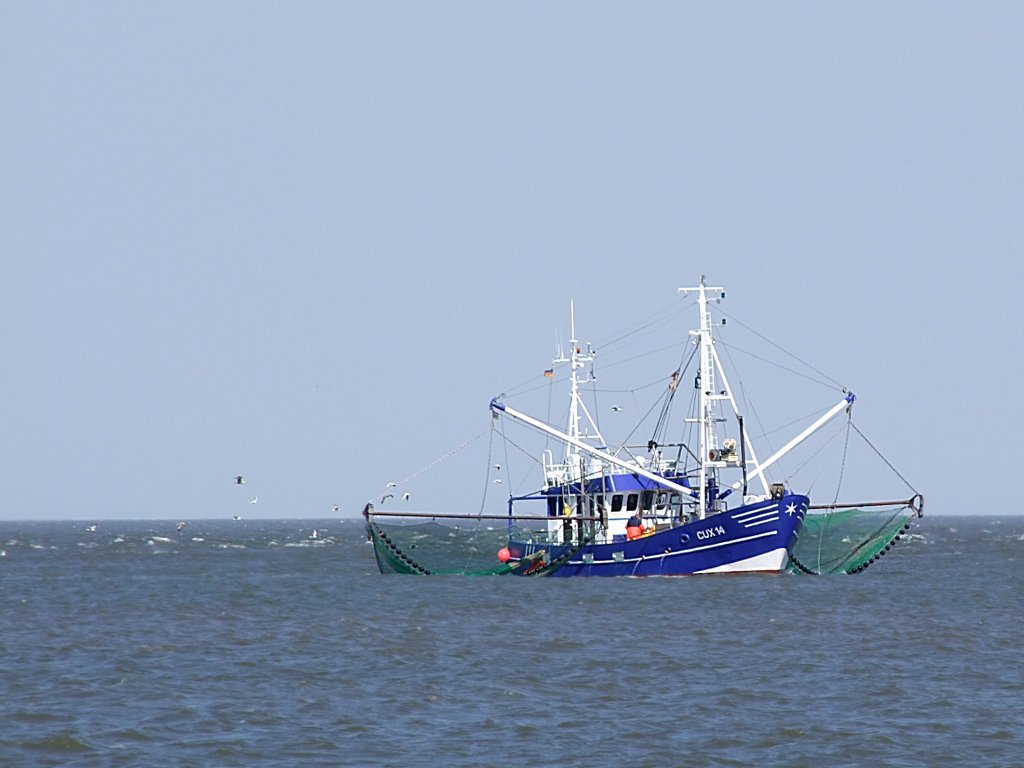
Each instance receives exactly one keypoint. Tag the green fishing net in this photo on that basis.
(436, 548)
(845, 540)
(851, 539)
(467, 548)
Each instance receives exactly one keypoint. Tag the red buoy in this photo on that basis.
(504, 555)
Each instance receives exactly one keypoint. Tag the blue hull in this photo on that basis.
(754, 538)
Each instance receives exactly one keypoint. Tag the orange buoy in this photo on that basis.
(504, 555)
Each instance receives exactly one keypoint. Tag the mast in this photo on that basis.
(577, 360)
(708, 411)
(708, 402)
(575, 363)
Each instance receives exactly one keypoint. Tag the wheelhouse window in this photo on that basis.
(632, 501)
(617, 502)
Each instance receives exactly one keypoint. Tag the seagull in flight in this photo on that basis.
(616, 407)
(386, 496)
(254, 499)
(336, 509)
(239, 480)
(405, 496)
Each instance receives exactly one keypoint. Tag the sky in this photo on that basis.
(308, 242)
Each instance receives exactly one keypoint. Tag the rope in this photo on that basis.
(800, 467)
(607, 366)
(666, 403)
(846, 447)
(487, 474)
(446, 456)
(785, 351)
(888, 463)
(670, 311)
(509, 441)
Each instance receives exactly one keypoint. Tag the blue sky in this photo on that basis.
(309, 242)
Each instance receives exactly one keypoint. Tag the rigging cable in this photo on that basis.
(846, 447)
(671, 312)
(888, 463)
(487, 474)
(662, 424)
(643, 419)
(749, 405)
(781, 349)
(446, 456)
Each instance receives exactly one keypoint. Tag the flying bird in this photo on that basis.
(497, 479)
(405, 496)
(239, 479)
(336, 508)
(181, 526)
(254, 499)
(616, 407)
(386, 496)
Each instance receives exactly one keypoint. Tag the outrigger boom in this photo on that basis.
(596, 452)
(496, 405)
(845, 403)
(369, 511)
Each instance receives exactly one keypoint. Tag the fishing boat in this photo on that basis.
(700, 504)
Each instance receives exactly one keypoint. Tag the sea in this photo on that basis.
(278, 643)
